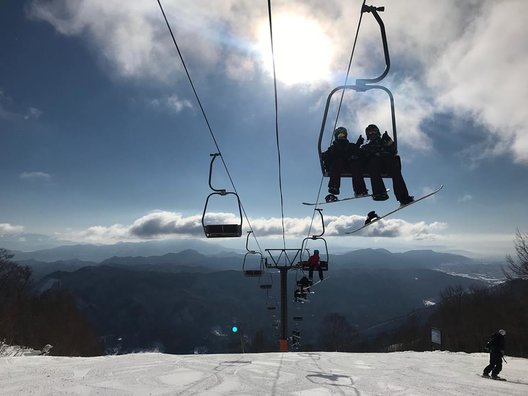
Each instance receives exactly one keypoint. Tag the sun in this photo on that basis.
(303, 51)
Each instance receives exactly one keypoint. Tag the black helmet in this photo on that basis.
(372, 129)
(316, 251)
(340, 133)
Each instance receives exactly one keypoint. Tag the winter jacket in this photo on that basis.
(379, 147)
(314, 261)
(340, 148)
(496, 343)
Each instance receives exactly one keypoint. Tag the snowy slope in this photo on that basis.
(303, 373)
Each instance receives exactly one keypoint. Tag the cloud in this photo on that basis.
(465, 198)
(35, 176)
(478, 76)
(100, 234)
(467, 70)
(171, 103)
(168, 223)
(9, 229)
(393, 228)
(165, 225)
(128, 38)
(7, 113)
(134, 40)
(33, 113)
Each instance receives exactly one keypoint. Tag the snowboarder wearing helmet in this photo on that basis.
(380, 155)
(314, 262)
(340, 155)
(495, 346)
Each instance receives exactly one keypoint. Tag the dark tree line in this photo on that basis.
(466, 319)
(33, 320)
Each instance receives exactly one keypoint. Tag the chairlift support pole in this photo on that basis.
(283, 269)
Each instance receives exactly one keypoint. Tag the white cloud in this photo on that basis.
(35, 176)
(101, 234)
(479, 74)
(7, 113)
(171, 103)
(467, 58)
(33, 113)
(163, 224)
(10, 229)
(135, 40)
(465, 198)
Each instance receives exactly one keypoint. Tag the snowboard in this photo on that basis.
(491, 378)
(377, 218)
(338, 200)
(319, 281)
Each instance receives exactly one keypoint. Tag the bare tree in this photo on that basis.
(517, 267)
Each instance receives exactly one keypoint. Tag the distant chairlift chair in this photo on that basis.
(303, 264)
(249, 268)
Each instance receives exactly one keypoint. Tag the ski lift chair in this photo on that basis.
(361, 86)
(303, 264)
(248, 266)
(221, 230)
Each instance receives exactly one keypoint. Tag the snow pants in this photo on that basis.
(336, 168)
(311, 270)
(495, 365)
(390, 165)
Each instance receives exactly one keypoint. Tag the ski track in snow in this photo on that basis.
(294, 373)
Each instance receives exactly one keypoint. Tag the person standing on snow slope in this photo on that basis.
(343, 155)
(496, 350)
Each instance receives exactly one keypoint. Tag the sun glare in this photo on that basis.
(302, 49)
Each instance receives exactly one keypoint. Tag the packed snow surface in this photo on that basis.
(294, 373)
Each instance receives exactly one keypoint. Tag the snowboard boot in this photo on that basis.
(380, 197)
(330, 198)
(407, 200)
(370, 217)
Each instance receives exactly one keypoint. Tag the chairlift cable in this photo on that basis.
(277, 123)
(205, 116)
(340, 103)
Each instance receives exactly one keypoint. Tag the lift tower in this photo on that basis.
(283, 260)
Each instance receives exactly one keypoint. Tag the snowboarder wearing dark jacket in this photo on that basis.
(495, 346)
(343, 155)
(380, 155)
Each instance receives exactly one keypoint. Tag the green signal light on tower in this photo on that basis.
(234, 329)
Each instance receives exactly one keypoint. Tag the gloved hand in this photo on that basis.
(360, 141)
(386, 139)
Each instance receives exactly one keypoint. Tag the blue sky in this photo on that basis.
(103, 140)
